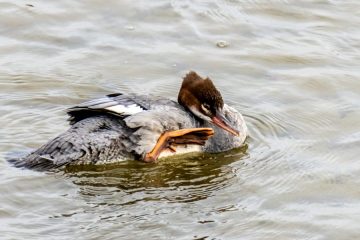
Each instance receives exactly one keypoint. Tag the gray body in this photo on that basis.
(119, 127)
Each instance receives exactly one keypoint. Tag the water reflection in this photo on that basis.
(181, 179)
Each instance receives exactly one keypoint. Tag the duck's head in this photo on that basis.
(201, 97)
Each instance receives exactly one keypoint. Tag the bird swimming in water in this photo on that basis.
(143, 127)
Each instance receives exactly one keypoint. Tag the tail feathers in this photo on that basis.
(38, 163)
(24, 159)
(44, 162)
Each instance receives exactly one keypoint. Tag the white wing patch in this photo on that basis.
(125, 110)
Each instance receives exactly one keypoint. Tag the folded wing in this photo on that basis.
(114, 104)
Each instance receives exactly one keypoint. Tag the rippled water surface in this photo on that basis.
(291, 67)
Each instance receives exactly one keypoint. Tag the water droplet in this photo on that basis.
(130, 28)
(222, 44)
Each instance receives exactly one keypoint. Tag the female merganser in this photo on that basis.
(144, 127)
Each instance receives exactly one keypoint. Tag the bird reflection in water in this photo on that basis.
(186, 178)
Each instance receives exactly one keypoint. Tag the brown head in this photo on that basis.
(201, 97)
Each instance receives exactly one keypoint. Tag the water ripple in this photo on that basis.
(291, 67)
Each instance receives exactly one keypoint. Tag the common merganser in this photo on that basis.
(144, 127)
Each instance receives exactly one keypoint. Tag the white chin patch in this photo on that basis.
(197, 113)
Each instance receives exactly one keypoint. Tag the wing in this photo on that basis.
(114, 104)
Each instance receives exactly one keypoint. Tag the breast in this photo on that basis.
(182, 149)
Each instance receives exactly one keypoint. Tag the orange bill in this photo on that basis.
(220, 121)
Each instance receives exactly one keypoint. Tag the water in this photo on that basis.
(291, 67)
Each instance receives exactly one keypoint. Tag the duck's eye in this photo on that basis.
(206, 108)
